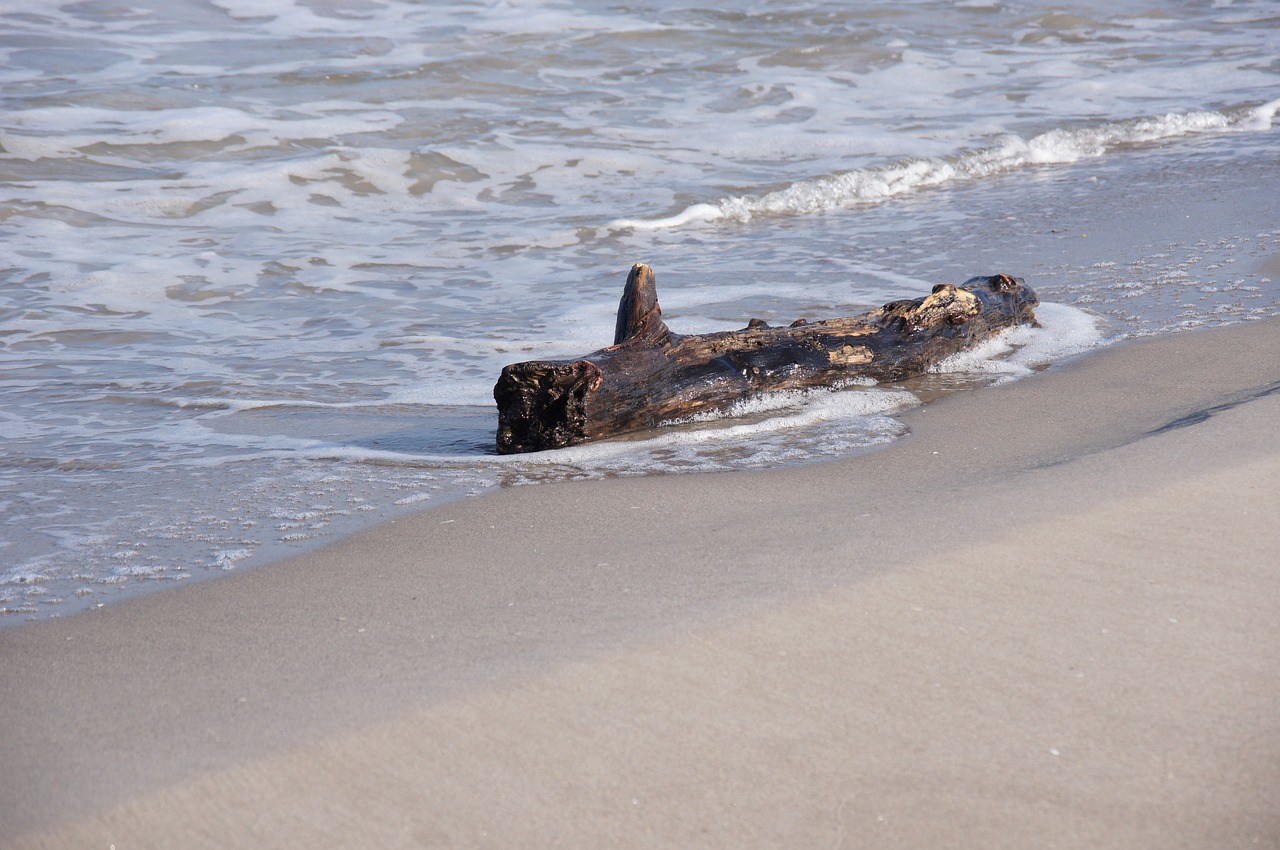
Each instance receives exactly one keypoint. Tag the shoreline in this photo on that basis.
(1044, 613)
(1141, 270)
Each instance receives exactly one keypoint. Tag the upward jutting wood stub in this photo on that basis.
(650, 375)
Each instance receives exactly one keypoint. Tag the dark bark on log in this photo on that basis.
(650, 375)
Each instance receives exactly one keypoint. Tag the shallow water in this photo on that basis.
(262, 261)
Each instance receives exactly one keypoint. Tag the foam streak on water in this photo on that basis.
(881, 183)
(261, 261)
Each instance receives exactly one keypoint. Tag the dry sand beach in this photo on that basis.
(1047, 619)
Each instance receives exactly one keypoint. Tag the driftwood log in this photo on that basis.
(650, 375)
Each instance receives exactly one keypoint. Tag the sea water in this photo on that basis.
(263, 260)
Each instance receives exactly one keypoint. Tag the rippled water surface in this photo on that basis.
(262, 260)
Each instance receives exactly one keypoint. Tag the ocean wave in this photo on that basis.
(1011, 153)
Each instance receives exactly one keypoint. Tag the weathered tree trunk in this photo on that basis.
(650, 375)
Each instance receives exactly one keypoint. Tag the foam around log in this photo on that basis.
(650, 375)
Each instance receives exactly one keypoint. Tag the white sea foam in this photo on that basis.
(881, 183)
(414, 499)
(1064, 331)
(228, 558)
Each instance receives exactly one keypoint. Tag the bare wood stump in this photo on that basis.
(650, 375)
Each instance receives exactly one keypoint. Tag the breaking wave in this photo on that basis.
(1011, 153)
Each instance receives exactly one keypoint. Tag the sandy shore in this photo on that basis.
(1048, 619)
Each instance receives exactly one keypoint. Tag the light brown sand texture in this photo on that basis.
(1046, 620)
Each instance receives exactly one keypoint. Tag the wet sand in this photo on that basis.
(1047, 619)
